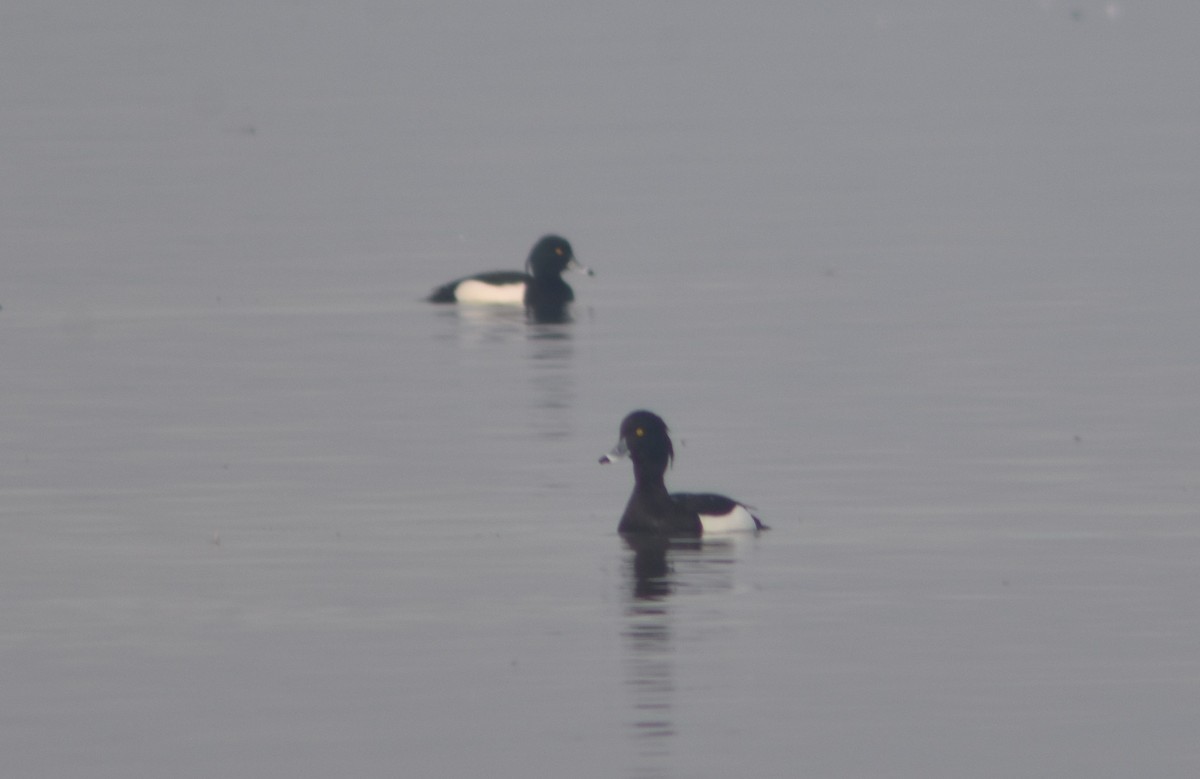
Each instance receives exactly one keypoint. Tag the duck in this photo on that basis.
(651, 510)
(539, 287)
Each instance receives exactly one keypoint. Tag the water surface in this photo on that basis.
(917, 284)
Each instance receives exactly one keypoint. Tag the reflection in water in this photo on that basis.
(480, 325)
(552, 377)
(549, 355)
(659, 569)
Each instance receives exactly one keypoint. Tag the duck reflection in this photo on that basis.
(474, 326)
(551, 356)
(660, 568)
(498, 340)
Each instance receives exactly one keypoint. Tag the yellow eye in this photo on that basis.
(558, 250)
(639, 432)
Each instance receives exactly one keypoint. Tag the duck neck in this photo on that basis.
(547, 290)
(648, 478)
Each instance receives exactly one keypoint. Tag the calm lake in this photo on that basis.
(918, 284)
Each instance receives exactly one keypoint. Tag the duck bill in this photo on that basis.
(576, 265)
(619, 452)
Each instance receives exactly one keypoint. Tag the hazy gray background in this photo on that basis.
(916, 280)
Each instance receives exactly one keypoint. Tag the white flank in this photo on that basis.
(737, 521)
(473, 291)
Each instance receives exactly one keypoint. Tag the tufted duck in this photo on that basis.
(540, 288)
(651, 509)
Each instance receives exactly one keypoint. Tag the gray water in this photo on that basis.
(918, 283)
